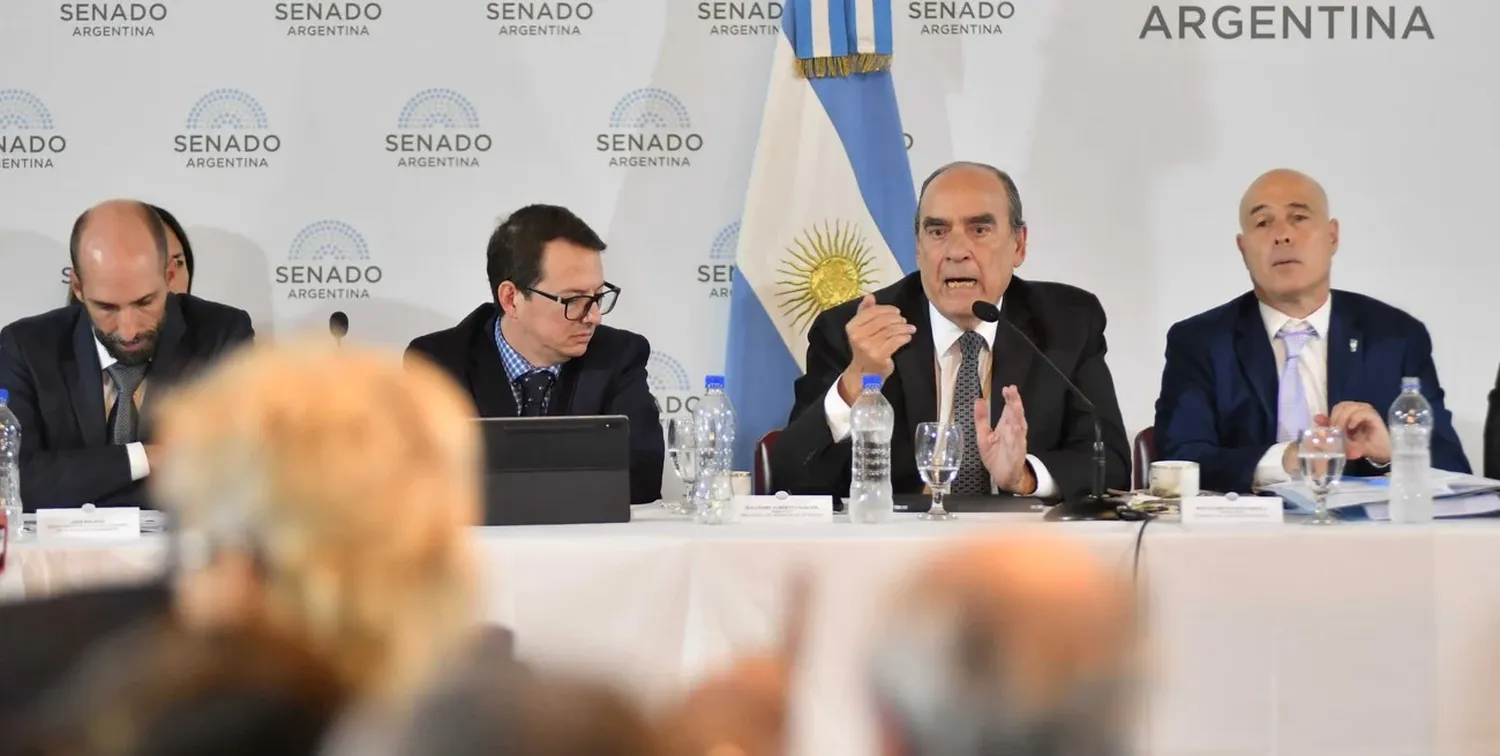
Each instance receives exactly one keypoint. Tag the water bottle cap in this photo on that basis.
(872, 381)
(713, 381)
(4, 396)
(1411, 384)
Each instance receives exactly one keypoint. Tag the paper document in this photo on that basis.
(1454, 495)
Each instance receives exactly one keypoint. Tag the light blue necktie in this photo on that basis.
(1291, 401)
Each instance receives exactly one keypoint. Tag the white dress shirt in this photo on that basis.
(1312, 368)
(140, 466)
(945, 336)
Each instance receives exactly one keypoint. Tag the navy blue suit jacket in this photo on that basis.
(1218, 389)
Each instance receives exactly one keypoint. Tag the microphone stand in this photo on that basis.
(1095, 505)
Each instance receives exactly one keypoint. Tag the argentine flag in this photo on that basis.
(831, 201)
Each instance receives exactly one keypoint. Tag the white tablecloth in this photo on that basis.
(1362, 639)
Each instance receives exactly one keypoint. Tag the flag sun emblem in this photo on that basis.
(825, 267)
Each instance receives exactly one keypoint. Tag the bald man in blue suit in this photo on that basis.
(1244, 379)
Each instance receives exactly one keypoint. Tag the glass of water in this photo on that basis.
(1321, 454)
(683, 451)
(940, 446)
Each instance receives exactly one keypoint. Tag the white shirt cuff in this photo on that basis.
(140, 467)
(1045, 486)
(840, 415)
(1269, 471)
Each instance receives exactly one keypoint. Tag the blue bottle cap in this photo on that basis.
(872, 381)
(713, 381)
(4, 396)
(1411, 384)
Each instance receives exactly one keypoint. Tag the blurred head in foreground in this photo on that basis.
(495, 706)
(162, 690)
(744, 710)
(1019, 644)
(325, 494)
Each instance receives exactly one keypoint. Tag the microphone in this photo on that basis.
(338, 325)
(1094, 506)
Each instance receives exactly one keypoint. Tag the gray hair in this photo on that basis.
(939, 676)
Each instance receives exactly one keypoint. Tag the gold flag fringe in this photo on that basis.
(823, 68)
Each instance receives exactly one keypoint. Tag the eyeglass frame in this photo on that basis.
(594, 300)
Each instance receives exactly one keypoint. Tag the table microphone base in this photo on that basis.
(1086, 508)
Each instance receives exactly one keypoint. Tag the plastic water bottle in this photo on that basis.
(1410, 424)
(872, 422)
(10, 466)
(713, 433)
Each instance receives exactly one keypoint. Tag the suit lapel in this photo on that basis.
(1011, 357)
(1257, 360)
(166, 364)
(916, 362)
(1345, 350)
(86, 387)
(581, 389)
(488, 381)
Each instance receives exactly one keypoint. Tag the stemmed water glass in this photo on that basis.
(1322, 455)
(683, 451)
(940, 447)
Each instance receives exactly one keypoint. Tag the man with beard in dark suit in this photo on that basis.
(540, 349)
(941, 363)
(82, 379)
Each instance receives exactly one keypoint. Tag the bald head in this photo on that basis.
(120, 274)
(1017, 644)
(1283, 183)
(1288, 240)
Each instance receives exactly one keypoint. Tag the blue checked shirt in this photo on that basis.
(517, 366)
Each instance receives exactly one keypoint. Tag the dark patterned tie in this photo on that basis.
(973, 479)
(534, 388)
(124, 417)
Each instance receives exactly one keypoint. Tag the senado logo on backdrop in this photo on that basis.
(113, 19)
(650, 128)
(716, 275)
(540, 18)
(345, 19)
(741, 18)
(670, 386)
(28, 138)
(960, 18)
(438, 128)
(827, 265)
(1286, 22)
(328, 260)
(227, 128)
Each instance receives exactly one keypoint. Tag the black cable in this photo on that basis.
(1140, 535)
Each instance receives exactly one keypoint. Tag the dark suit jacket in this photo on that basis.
(50, 365)
(1492, 434)
(1066, 322)
(1219, 385)
(609, 379)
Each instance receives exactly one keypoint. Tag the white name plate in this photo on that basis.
(783, 508)
(88, 522)
(1232, 510)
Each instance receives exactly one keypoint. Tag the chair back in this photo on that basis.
(1145, 454)
(760, 480)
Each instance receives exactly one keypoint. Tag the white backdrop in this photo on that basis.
(1131, 139)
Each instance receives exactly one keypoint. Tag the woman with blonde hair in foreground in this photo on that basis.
(324, 495)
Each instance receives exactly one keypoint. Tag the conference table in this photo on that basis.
(1366, 639)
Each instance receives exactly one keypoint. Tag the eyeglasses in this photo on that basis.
(577, 307)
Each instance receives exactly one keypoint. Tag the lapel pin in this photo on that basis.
(1354, 345)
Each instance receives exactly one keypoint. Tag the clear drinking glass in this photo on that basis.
(940, 447)
(683, 451)
(1321, 454)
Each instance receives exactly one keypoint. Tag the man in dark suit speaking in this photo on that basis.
(1243, 380)
(82, 379)
(540, 349)
(943, 364)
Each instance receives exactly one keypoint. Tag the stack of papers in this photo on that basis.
(1454, 495)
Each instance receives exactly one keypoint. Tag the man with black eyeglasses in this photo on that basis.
(540, 348)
